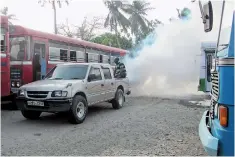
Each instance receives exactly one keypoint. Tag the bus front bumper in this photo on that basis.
(209, 142)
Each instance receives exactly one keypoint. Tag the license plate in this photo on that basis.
(35, 103)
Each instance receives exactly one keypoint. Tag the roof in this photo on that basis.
(19, 30)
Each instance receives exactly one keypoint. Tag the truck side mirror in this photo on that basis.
(91, 77)
(208, 16)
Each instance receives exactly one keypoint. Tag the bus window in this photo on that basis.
(63, 55)
(17, 48)
(2, 42)
(54, 54)
(73, 56)
(105, 59)
(101, 59)
(112, 60)
(92, 57)
(81, 56)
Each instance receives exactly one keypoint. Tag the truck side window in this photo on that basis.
(107, 74)
(97, 73)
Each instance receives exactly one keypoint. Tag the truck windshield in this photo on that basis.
(17, 48)
(68, 72)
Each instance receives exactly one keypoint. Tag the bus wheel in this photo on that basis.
(13, 105)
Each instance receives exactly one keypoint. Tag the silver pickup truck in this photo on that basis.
(72, 87)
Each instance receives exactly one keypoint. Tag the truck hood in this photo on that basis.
(49, 85)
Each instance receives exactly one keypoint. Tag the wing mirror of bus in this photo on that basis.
(91, 77)
(208, 16)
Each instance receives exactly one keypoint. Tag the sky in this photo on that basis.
(30, 14)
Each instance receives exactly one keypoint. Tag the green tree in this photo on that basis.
(85, 31)
(115, 18)
(152, 25)
(138, 12)
(53, 3)
(110, 39)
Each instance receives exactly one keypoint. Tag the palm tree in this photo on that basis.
(4, 11)
(115, 18)
(53, 3)
(138, 20)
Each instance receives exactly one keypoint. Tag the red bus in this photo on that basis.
(34, 53)
(5, 59)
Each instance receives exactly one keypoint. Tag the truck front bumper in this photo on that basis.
(209, 142)
(50, 105)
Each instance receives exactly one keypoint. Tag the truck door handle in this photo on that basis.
(112, 83)
(102, 85)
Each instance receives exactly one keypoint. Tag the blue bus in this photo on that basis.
(216, 128)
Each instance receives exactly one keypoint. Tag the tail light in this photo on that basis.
(223, 116)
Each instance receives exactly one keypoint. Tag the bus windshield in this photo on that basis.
(68, 72)
(226, 25)
(17, 48)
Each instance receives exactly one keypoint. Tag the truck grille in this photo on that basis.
(215, 85)
(37, 94)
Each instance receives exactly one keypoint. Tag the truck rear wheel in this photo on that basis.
(31, 114)
(118, 101)
(79, 110)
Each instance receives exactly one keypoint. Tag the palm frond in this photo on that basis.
(107, 20)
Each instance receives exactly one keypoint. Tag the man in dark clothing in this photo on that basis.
(120, 70)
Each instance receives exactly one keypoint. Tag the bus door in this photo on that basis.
(39, 61)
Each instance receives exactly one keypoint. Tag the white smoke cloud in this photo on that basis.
(170, 67)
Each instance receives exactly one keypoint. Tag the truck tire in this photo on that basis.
(78, 110)
(31, 114)
(118, 101)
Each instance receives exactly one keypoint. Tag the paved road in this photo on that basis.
(145, 126)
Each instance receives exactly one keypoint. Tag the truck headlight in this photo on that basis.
(59, 94)
(21, 92)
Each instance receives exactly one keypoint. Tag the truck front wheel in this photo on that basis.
(118, 101)
(78, 110)
(31, 114)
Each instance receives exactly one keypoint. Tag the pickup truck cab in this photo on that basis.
(72, 87)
